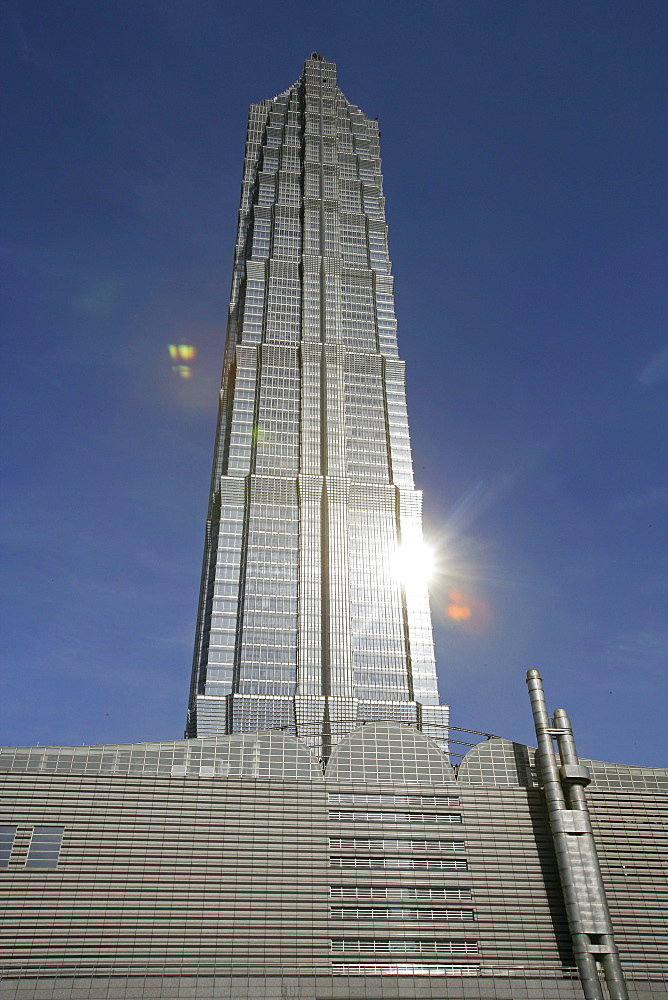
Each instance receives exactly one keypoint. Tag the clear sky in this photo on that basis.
(524, 148)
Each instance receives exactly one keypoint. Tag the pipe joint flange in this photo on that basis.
(576, 774)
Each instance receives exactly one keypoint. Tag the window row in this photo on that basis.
(358, 798)
(388, 817)
(411, 892)
(400, 864)
(394, 844)
(425, 946)
(397, 913)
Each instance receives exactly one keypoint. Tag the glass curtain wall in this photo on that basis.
(306, 619)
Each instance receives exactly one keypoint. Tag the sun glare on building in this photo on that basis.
(414, 564)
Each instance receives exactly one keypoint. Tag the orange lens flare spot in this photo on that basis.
(472, 614)
(459, 612)
(458, 609)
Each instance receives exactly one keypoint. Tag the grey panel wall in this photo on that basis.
(344, 888)
(631, 832)
(180, 875)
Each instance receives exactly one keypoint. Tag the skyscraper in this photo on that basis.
(313, 611)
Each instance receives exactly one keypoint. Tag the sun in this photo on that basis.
(414, 564)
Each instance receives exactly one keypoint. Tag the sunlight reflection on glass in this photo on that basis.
(414, 564)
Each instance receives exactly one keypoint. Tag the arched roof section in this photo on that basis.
(499, 762)
(389, 751)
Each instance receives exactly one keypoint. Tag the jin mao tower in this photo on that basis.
(311, 613)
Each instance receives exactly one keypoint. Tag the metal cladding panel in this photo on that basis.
(630, 832)
(167, 875)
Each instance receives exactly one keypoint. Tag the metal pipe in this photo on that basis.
(556, 807)
(476, 732)
(574, 779)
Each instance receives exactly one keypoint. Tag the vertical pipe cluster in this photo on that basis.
(579, 871)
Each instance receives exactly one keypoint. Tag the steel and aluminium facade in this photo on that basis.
(236, 866)
(305, 618)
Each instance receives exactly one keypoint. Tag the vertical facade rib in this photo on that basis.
(304, 619)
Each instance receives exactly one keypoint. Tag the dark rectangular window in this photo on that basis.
(7, 834)
(44, 847)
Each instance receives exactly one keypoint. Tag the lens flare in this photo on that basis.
(414, 564)
(458, 609)
(184, 351)
(183, 371)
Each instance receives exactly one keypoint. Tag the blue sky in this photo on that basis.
(524, 148)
